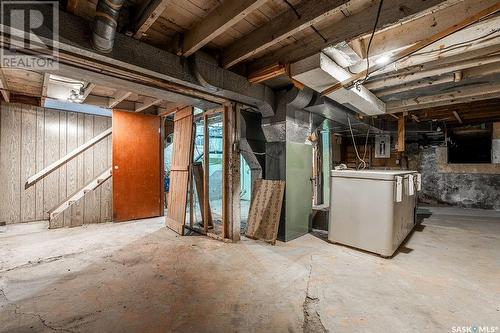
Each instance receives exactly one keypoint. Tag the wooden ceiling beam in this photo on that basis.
(267, 73)
(218, 21)
(149, 15)
(146, 103)
(4, 88)
(413, 31)
(478, 68)
(280, 28)
(455, 113)
(405, 87)
(118, 97)
(467, 94)
(86, 91)
(418, 46)
(468, 73)
(355, 25)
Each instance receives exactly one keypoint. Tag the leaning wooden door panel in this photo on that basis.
(137, 185)
(179, 171)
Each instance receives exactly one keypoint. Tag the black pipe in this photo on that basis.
(105, 23)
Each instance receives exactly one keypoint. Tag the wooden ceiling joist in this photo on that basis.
(267, 73)
(455, 113)
(86, 92)
(149, 15)
(146, 103)
(218, 21)
(118, 97)
(468, 113)
(462, 95)
(418, 46)
(355, 25)
(407, 33)
(411, 77)
(4, 88)
(405, 87)
(480, 70)
(280, 28)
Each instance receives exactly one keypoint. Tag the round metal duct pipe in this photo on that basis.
(105, 23)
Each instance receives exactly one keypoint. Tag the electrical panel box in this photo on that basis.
(382, 146)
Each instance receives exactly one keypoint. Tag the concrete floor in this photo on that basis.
(140, 277)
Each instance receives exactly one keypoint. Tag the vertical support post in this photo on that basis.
(191, 205)
(231, 172)
(206, 153)
(401, 134)
(162, 166)
(495, 143)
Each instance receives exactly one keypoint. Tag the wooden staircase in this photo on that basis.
(79, 194)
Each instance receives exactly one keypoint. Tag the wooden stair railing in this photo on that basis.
(47, 170)
(79, 194)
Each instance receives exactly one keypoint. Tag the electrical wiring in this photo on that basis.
(354, 143)
(443, 50)
(458, 45)
(370, 41)
(252, 152)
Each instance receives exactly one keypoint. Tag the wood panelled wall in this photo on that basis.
(33, 137)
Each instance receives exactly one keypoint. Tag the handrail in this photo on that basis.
(68, 157)
(95, 183)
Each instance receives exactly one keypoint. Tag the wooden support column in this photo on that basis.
(191, 177)
(401, 133)
(206, 153)
(231, 173)
(495, 143)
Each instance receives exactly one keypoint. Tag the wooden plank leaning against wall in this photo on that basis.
(33, 137)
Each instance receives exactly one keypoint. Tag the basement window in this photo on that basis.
(470, 145)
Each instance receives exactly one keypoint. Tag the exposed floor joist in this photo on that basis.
(149, 16)
(218, 21)
(146, 103)
(280, 28)
(476, 40)
(455, 113)
(118, 97)
(440, 70)
(86, 92)
(408, 33)
(468, 94)
(349, 28)
(420, 45)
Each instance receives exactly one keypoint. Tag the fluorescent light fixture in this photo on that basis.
(383, 60)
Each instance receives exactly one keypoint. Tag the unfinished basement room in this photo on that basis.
(250, 166)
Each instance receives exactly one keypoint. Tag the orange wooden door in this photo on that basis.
(179, 171)
(137, 166)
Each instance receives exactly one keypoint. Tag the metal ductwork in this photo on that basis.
(105, 23)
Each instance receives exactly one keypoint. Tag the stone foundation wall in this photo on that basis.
(471, 190)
